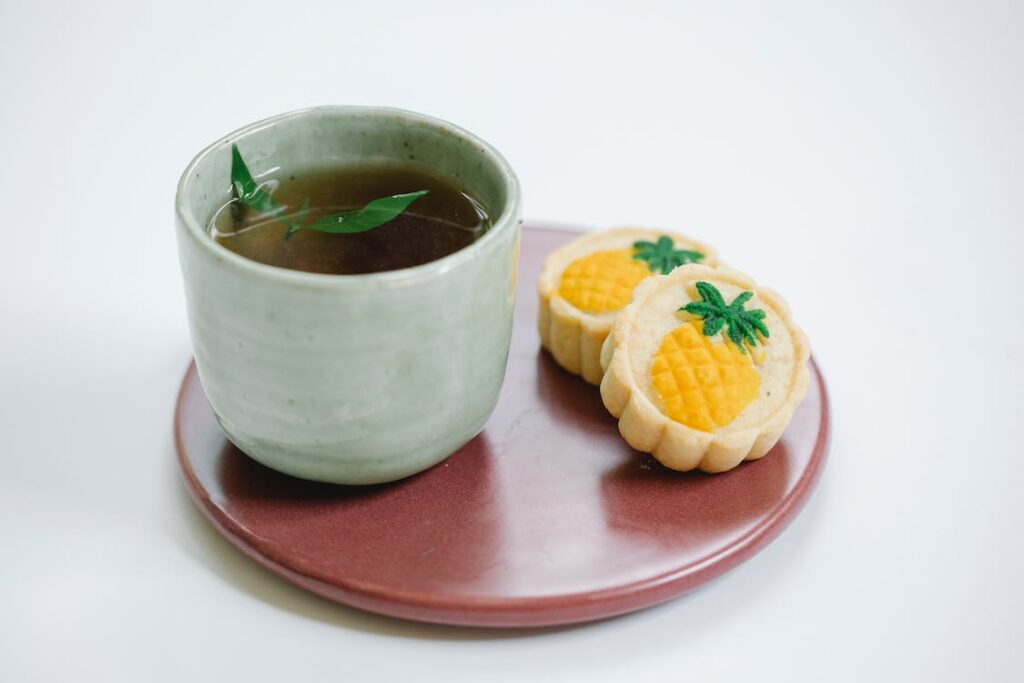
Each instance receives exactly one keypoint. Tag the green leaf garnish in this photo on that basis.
(662, 256)
(740, 325)
(247, 190)
(373, 215)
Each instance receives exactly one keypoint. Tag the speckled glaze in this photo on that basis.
(354, 379)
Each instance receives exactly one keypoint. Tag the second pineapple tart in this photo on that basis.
(584, 284)
(704, 369)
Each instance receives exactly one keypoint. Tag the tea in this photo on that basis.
(442, 221)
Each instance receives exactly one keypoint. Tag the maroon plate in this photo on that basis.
(546, 517)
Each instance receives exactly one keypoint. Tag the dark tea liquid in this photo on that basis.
(439, 223)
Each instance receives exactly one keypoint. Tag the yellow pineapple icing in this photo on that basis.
(602, 281)
(703, 383)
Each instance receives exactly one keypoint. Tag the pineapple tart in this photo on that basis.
(704, 369)
(584, 284)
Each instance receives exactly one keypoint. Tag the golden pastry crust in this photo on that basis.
(629, 392)
(574, 336)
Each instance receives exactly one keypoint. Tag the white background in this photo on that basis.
(866, 160)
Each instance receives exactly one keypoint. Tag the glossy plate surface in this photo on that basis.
(547, 517)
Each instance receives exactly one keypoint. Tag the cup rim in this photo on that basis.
(506, 220)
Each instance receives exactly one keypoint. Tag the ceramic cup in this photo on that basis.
(353, 379)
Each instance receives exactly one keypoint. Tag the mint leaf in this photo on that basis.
(373, 215)
(251, 195)
(247, 190)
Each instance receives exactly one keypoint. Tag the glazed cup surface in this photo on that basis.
(353, 379)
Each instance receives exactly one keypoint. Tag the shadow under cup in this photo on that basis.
(353, 379)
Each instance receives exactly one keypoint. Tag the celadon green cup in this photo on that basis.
(350, 379)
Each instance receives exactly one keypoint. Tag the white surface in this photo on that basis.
(864, 161)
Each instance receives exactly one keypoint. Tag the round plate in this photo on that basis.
(546, 517)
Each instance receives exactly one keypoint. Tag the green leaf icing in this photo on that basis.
(740, 325)
(662, 256)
